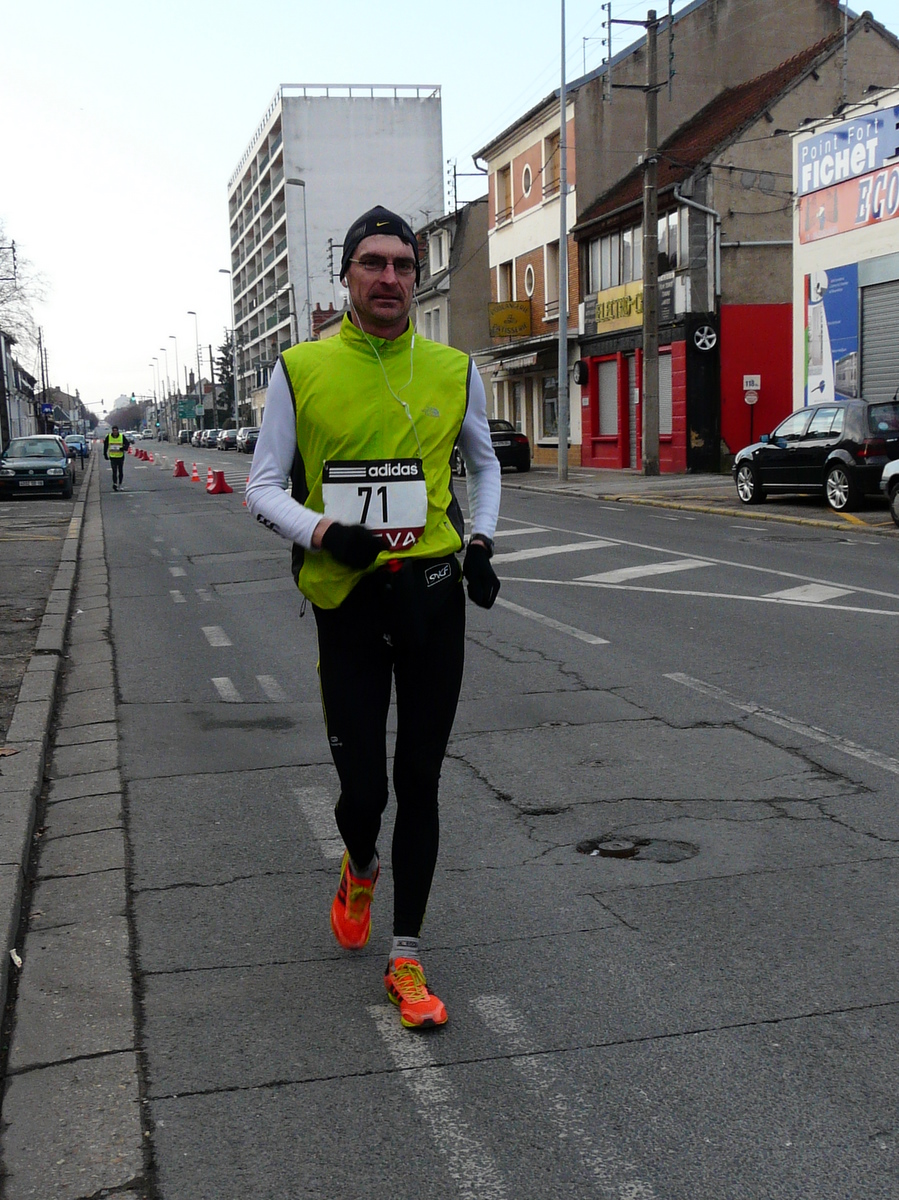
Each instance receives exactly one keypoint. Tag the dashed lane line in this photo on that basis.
(215, 635)
(574, 1119)
(204, 594)
(226, 690)
(468, 1160)
(501, 533)
(177, 572)
(812, 732)
(814, 593)
(272, 688)
(317, 807)
(581, 634)
(177, 597)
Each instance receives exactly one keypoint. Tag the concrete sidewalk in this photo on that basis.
(712, 494)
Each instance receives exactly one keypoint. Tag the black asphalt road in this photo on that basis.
(713, 1018)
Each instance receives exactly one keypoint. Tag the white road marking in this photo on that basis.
(574, 1118)
(177, 571)
(226, 690)
(501, 533)
(688, 593)
(623, 574)
(469, 1162)
(156, 553)
(821, 736)
(177, 596)
(272, 688)
(317, 806)
(158, 538)
(203, 593)
(547, 551)
(216, 636)
(590, 638)
(814, 593)
(175, 552)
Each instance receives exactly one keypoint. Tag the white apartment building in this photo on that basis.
(349, 147)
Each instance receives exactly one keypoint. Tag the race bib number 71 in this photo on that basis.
(386, 495)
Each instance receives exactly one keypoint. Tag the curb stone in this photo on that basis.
(29, 733)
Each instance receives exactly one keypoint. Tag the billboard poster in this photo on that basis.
(831, 334)
(847, 150)
(855, 204)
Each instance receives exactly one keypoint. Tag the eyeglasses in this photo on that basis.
(374, 264)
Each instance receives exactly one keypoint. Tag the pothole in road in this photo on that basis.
(660, 850)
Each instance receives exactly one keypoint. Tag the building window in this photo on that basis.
(435, 324)
(614, 259)
(504, 281)
(428, 324)
(517, 405)
(437, 252)
(504, 194)
(526, 180)
(668, 244)
(551, 278)
(551, 164)
(550, 407)
(529, 280)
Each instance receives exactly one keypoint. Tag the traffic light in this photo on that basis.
(133, 401)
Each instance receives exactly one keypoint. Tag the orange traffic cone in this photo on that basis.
(150, 458)
(245, 492)
(195, 475)
(180, 471)
(217, 485)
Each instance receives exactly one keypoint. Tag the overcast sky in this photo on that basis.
(122, 124)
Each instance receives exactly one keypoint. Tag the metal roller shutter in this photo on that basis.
(608, 396)
(880, 341)
(664, 393)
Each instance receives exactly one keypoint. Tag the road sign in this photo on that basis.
(46, 409)
(751, 397)
(185, 408)
(198, 410)
(752, 383)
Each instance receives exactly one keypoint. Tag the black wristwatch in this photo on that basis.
(482, 537)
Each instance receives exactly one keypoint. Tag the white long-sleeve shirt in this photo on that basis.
(268, 499)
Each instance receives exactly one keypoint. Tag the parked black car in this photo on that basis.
(226, 440)
(37, 466)
(839, 448)
(246, 438)
(511, 448)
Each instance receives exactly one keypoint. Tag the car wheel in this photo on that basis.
(894, 503)
(457, 463)
(749, 489)
(524, 466)
(841, 489)
(68, 490)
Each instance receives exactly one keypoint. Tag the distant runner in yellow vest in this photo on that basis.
(364, 424)
(114, 447)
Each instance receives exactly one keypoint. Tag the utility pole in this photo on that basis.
(651, 257)
(563, 416)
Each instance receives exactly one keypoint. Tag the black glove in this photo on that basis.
(483, 585)
(352, 545)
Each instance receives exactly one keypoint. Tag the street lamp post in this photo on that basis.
(153, 389)
(191, 313)
(225, 271)
(302, 183)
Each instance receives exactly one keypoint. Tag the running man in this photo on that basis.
(365, 423)
(114, 447)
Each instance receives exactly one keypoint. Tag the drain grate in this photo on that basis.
(660, 850)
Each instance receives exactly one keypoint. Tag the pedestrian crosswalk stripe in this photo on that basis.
(547, 551)
(469, 1162)
(215, 635)
(177, 597)
(623, 574)
(177, 571)
(813, 593)
(501, 533)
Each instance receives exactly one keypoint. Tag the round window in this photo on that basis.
(529, 280)
(526, 181)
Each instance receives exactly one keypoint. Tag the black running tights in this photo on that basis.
(408, 626)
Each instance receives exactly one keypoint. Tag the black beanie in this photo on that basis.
(378, 220)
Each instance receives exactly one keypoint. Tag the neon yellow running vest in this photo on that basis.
(115, 447)
(345, 411)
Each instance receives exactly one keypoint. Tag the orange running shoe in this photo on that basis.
(406, 986)
(351, 910)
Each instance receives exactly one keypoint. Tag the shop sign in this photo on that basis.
(855, 204)
(845, 151)
(510, 318)
(619, 308)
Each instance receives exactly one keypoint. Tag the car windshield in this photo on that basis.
(25, 448)
(884, 418)
(501, 427)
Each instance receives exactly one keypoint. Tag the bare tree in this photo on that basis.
(21, 286)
